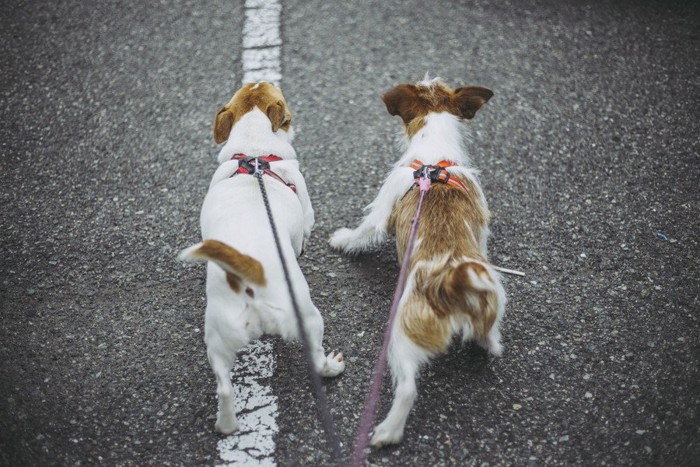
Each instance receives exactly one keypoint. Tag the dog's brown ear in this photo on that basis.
(287, 119)
(402, 101)
(222, 125)
(278, 115)
(470, 99)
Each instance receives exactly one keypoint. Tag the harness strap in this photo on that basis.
(438, 173)
(246, 165)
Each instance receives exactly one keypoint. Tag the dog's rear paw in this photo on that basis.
(496, 349)
(226, 427)
(384, 435)
(333, 365)
(492, 346)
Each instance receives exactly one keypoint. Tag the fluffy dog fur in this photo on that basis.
(451, 287)
(246, 291)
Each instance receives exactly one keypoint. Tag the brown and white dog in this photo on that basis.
(451, 287)
(246, 291)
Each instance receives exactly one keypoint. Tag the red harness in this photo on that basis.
(437, 173)
(246, 165)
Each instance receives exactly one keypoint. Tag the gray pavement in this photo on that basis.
(589, 160)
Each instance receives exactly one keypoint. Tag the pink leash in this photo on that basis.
(372, 399)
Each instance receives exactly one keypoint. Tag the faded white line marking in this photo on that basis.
(262, 42)
(256, 405)
(256, 408)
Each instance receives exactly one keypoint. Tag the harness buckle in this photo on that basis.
(253, 165)
(434, 172)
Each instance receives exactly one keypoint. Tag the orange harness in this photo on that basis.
(437, 173)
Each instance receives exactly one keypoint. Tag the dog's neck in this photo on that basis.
(252, 135)
(442, 137)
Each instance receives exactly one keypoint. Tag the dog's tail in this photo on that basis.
(240, 268)
(470, 287)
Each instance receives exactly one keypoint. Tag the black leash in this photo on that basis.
(321, 402)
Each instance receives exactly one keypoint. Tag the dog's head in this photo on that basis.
(412, 102)
(265, 96)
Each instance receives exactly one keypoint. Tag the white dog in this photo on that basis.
(246, 291)
(451, 287)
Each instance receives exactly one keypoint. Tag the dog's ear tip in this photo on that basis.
(470, 99)
(277, 113)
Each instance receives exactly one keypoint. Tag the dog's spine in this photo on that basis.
(469, 287)
(238, 266)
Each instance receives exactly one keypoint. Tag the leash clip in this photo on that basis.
(254, 165)
(424, 180)
(432, 173)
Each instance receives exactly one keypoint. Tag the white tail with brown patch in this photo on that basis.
(238, 266)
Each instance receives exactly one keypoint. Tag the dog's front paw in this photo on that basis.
(385, 434)
(226, 425)
(341, 239)
(333, 365)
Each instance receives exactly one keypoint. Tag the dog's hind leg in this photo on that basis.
(222, 363)
(492, 342)
(405, 360)
(326, 365)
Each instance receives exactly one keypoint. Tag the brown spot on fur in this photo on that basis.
(233, 281)
(451, 221)
(265, 96)
(424, 327)
(238, 266)
(489, 309)
(414, 126)
(448, 289)
(413, 101)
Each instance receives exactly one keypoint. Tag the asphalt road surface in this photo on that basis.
(589, 160)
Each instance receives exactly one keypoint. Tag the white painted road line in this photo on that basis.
(256, 405)
(262, 41)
